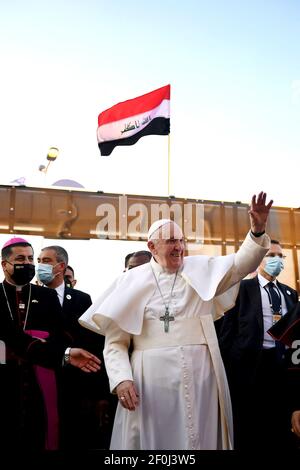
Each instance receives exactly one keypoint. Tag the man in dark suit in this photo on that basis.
(292, 339)
(287, 331)
(254, 362)
(85, 400)
(33, 337)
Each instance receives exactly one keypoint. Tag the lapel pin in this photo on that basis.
(288, 292)
(68, 296)
(34, 301)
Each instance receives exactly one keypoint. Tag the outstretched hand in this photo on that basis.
(259, 212)
(84, 360)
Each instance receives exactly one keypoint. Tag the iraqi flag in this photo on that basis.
(125, 123)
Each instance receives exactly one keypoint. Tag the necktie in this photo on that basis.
(275, 298)
(276, 308)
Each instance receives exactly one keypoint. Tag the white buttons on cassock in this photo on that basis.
(186, 383)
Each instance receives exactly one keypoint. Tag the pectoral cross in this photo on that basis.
(166, 319)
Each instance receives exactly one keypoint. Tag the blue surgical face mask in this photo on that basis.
(274, 266)
(44, 273)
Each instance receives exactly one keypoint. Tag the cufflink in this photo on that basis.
(67, 356)
(34, 301)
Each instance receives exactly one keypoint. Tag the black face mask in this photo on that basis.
(23, 273)
(68, 282)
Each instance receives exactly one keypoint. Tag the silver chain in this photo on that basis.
(166, 305)
(9, 309)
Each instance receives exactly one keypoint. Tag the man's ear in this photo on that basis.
(63, 266)
(3, 264)
(151, 246)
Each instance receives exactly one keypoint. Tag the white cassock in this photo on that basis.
(179, 374)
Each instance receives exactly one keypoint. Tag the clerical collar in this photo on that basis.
(19, 288)
(11, 286)
(160, 269)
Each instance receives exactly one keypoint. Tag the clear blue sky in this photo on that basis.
(234, 70)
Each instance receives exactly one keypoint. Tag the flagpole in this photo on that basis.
(169, 164)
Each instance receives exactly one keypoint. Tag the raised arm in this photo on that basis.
(254, 247)
(259, 212)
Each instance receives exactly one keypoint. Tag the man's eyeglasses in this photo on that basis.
(272, 255)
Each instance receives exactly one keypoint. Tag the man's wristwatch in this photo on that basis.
(258, 234)
(67, 356)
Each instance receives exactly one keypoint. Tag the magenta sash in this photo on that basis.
(47, 382)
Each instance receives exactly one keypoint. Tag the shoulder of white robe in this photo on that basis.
(108, 307)
(204, 273)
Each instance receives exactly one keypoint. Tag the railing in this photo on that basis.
(209, 226)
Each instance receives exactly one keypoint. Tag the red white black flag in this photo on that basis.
(125, 123)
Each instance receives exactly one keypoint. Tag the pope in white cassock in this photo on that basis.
(172, 391)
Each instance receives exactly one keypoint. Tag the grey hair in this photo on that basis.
(61, 253)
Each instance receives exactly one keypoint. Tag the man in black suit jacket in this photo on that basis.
(85, 400)
(254, 362)
(287, 331)
(32, 333)
(291, 337)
